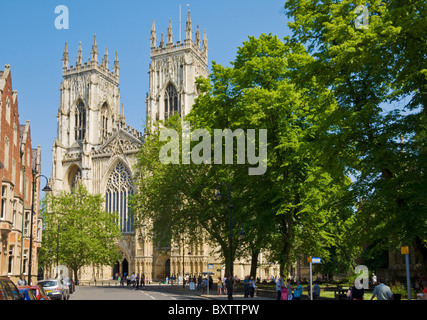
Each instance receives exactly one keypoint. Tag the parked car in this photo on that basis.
(71, 285)
(27, 293)
(39, 292)
(9, 291)
(55, 289)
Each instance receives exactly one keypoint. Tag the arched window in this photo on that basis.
(119, 187)
(104, 120)
(80, 121)
(172, 101)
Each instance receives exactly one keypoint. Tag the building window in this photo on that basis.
(104, 120)
(6, 153)
(8, 110)
(3, 202)
(80, 121)
(172, 101)
(119, 187)
(11, 258)
(27, 224)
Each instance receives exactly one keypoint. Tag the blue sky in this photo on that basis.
(33, 47)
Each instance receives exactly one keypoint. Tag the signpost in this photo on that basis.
(405, 251)
(311, 260)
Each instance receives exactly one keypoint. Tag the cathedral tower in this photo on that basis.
(173, 70)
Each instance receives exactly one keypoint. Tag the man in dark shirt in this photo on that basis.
(229, 285)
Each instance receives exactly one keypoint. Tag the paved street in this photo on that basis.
(151, 292)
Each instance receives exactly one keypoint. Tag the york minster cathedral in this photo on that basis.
(95, 146)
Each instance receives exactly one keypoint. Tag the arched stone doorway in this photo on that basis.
(121, 269)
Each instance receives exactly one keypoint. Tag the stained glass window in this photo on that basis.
(172, 101)
(119, 187)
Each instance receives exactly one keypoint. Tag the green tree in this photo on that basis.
(85, 232)
(378, 77)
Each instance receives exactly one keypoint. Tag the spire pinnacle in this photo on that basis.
(198, 37)
(153, 37)
(170, 34)
(162, 41)
(94, 52)
(189, 29)
(105, 59)
(79, 55)
(65, 60)
(205, 42)
(116, 64)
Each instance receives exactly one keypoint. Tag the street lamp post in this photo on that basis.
(45, 189)
(183, 273)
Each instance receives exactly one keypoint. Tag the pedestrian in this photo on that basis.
(119, 280)
(252, 287)
(229, 283)
(246, 286)
(382, 291)
(223, 284)
(204, 285)
(219, 286)
(298, 291)
(143, 280)
(279, 286)
(22, 281)
(316, 291)
(354, 293)
(137, 281)
(128, 280)
(289, 289)
(374, 279)
(132, 280)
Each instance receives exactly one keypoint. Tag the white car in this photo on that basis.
(55, 289)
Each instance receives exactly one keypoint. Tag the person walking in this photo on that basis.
(229, 282)
(354, 293)
(298, 291)
(219, 286)
(316, 291)
(143, 280)
(252, 286)
(280, 284)
(246, 286)
(22, 281)
(289, 289)
(132, 280)
(382, 291)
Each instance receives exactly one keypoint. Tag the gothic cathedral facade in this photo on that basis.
(95, 146)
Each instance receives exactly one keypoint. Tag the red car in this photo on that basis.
(38, 292)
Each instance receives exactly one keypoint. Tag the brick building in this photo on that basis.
(17, 161)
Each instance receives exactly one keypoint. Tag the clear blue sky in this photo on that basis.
(33, 47)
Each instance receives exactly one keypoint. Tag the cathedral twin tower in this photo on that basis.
(95, 146)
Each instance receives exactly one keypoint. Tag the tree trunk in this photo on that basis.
(421, 252)
(254, 262)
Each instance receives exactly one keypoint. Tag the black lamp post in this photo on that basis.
(183, 273)
(45, 189)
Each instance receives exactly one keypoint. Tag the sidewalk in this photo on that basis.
(238, 296)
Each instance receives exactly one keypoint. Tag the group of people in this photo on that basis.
(286, 291)
(249, 285)
(134, 280)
